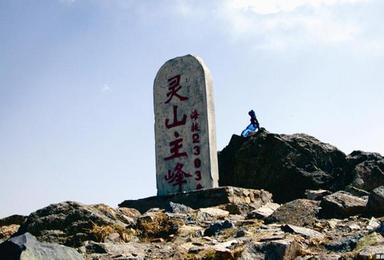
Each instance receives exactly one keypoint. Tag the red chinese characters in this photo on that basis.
(195, 129)
(173, 89)
(177, 175)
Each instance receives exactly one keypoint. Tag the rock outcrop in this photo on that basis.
(70, 223)
(367, 170)
(287, 165)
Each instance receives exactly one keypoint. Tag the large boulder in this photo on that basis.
(300, 212)
(375, 205)
(27, 247)
(342, 204)
(285, 165)
(70, 223)
(367, 170)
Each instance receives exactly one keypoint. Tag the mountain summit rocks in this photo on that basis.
(330, 207)
(288, 165)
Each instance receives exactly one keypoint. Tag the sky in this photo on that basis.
(76, 84)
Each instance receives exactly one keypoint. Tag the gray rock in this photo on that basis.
(299, 212)
(375, 203)
(264, 211)
(373, 224)
(216, 227)
(306, 232)
(316, 194)
(12, 220)
(131, 249)
(70, 223)
(367, 169)
(281, 249)
(26, 247)
(203, 199)
(371, 252)
(342, 204)
(344, 244)
(284, 249)
(240, 233)
(252, 251)
(178, 208)
(285, 165)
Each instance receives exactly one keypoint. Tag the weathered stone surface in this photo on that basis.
(306, 232)
(264, 211)
(343, 244)
(372, 252)
(284, 249)
(367, 169)
(375, 203)
(178, 208)
(300, 212)
(215, 212)
(12, 220)
(70, 223)
(342, 204)
(285, 165)
(26, 247)
(216, 227)
(203, 198)
(186, 157)
(316, 194)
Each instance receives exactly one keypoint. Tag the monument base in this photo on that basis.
(202, 198)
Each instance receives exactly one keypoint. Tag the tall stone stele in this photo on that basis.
(186, 156)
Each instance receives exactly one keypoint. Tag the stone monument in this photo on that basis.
(186, 155)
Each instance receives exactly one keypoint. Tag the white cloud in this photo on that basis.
(280, 24)
(276, 6)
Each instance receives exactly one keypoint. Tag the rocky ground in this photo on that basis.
(302, 199)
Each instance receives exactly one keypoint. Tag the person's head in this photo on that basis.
(252, 114)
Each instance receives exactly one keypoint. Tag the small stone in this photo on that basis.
(373, 224)
(194, 249)
(240, 233)
(332, 223)
(215, 212)
(316, 194)
(157, 240)
(178, 208)
(264, 211)
(215, 228)
(307, 232)
(281, 249)
(354, 226)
